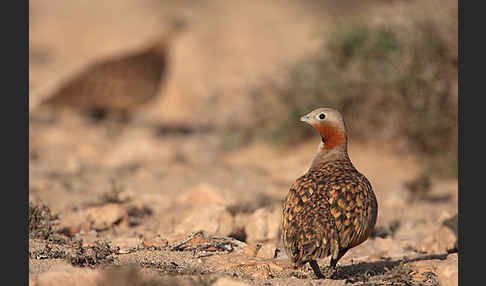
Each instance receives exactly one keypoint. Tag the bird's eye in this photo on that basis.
(322, 116)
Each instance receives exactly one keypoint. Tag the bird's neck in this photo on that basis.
(333, 146)
(325, 154)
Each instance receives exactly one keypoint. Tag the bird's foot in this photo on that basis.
(329, 272)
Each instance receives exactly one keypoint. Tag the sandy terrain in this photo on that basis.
(125, 201)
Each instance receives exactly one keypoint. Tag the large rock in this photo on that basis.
(377, 248)
(442, 236)
(74, 223)
(446, 270)
(202, 195)
(93, 218)
(214, 219)
(263, 224)
(441, 240)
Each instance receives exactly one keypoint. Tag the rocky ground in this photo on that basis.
(163, 201)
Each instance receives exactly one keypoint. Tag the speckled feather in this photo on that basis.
(328, 210)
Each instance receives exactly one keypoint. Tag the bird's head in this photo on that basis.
(330, 125)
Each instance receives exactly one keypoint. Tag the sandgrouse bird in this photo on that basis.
(116, 87)
(331, 208)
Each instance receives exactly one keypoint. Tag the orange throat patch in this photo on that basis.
(333, 135)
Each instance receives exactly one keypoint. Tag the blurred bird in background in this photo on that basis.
(116, 87)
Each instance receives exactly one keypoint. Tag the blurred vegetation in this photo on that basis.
(391, 82)
(41, 221)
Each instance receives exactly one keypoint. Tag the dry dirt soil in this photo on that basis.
(153, 205)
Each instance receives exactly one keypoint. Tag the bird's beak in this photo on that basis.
(304, 118)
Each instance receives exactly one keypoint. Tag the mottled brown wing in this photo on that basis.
(353, 207)
(308, 230)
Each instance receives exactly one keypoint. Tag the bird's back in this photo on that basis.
(330, 208)
(119, 83)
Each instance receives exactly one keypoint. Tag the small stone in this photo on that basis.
(192, 239)
(175, 238)
(125, 244)
(264, 270)
(422, 267)
(103, 217)
(73, 224)
(88, 238)
(267, 251)
(250, 251)
(155, 242)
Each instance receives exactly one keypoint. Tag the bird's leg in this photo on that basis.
(316, 269)
(340, 255)
(331, 271)
(335, 261)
